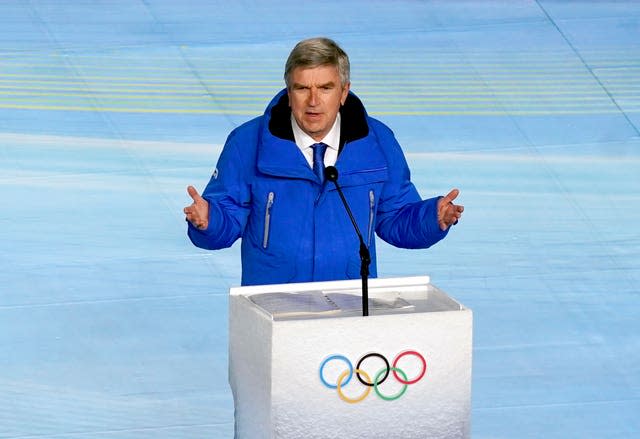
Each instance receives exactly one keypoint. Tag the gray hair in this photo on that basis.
(315, 52)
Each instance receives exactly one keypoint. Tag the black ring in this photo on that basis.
(373, 354)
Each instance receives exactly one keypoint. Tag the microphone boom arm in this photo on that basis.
(331, 174)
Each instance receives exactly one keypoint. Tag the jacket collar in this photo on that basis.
(277, 152)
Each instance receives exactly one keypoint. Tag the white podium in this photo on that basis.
(301, 363)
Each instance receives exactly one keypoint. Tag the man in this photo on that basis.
(293, 225)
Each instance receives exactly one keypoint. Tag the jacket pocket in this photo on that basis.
(267, 220)
(364, 177)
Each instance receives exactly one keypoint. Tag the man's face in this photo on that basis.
(315, 97)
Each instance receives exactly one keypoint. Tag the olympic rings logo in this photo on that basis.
(378, 378)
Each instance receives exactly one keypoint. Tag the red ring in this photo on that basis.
(424, 366)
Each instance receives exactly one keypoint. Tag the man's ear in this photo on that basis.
(345, 93)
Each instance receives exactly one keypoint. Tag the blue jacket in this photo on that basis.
(294, 229)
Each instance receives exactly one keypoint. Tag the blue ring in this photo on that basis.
(336, 357)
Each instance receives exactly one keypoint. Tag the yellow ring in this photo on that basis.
(344, 397)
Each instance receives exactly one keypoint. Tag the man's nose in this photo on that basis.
(313, 96)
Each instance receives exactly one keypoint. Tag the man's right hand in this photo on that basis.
(198, 212)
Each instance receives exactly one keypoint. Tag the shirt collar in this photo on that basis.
(303, 140)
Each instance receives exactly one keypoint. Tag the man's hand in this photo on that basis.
(198, 212)
(449, 213)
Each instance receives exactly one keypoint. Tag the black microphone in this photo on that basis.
(331, 174)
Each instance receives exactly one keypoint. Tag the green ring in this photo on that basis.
(393, 397)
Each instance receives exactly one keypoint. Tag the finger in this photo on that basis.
(457, 214)
(191, 211)
(193, 193)
(450, 218)
(451, 196)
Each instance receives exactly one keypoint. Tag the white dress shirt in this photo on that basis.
(304, 142)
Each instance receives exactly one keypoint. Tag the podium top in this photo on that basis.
(344, 298)
(334, 285)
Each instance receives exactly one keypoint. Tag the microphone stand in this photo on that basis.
(331, 174)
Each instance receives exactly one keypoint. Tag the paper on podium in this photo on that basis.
(282, 304)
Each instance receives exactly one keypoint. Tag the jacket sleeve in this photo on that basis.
(403, 218)
(228, 196)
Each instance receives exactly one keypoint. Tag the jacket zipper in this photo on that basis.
(372, 202)
(267, 219)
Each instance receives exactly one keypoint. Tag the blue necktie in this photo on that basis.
(318, 160)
